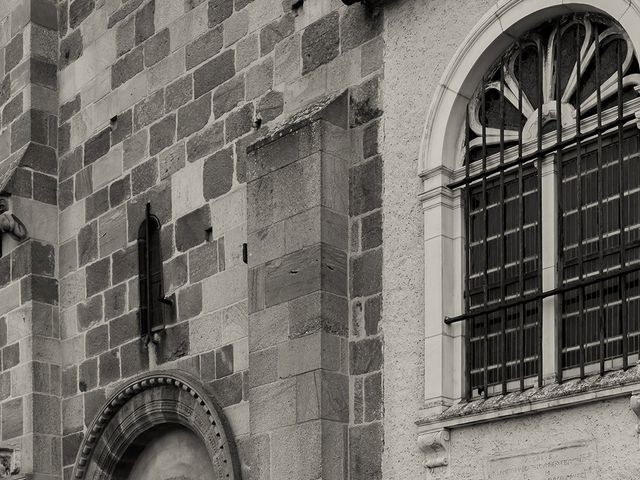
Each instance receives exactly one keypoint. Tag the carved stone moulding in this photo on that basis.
(435, 446)
(152, 400)
(9, 462)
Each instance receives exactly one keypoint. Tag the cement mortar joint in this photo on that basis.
(435, 446)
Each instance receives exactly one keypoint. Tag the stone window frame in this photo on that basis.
(440, 153)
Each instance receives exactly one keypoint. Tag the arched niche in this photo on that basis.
(441, 139)
(153, 407)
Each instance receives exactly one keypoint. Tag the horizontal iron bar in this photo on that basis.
(539, 296)
(542, 152)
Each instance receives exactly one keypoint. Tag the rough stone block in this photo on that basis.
(271, 106)
(127, 67)
(366, 187)
(79, 10)
(191, 229)
(115, 301)
(224, 361)
(275, 32)
(135, 149)
(214, 73)
(320, 42)
(171, 160)
(125, 264)
(273, 406)
(122, 127)
(97, 146)
(235, 27)
(96, 341)
(194, 116)
(125, 37)
(12, 423)
(179, 93)
(71, 48)
(162, 134)
(190, 302)
(228, 96)
(134, 358)
(365, 451)
(112, 231)
(123, 329)
(119, 191)
(247, 51)
(88, 244)
(13, 52)
(109, 367)
(89, 312)
(365, 356)
(175, 343)
(295, 451)
(219, 10)
(160, 199)
(98, 276)
(206, 142)
(364, 103)
(144, 176)
(239, 122)
(259, 79)
(157, 48)
(148, 110)
(96, 204)
(145, 22)
(203, 261)
(204, 48)
(218, 174)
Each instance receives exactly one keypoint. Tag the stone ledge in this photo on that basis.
(534, 400)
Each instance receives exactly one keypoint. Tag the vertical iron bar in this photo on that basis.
(539, 229)
(467, 248)
(485, 242)
(581, 320)
(560, 222)
(621, 216)
(601, 310)
(147, 254)
(520, 339)
(503, 245)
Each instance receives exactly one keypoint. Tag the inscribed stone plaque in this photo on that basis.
(566, 462)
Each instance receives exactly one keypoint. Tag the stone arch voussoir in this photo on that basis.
(150, 400)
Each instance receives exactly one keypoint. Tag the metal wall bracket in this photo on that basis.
(635, 407)
(435, 446)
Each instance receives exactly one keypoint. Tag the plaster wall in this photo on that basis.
(596, 441)
(420, 40)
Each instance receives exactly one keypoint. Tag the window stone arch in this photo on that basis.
(148, 401)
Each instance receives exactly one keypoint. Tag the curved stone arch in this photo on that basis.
(499, 27)
(151, 400)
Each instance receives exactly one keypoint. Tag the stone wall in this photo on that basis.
(29, 327)
(159, 100)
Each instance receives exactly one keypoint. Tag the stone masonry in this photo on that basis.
(241, 122)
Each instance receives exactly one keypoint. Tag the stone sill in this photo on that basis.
(534, 400)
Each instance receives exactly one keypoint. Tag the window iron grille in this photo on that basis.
(563, 95)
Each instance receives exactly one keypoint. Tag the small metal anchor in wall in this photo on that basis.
(11, 224)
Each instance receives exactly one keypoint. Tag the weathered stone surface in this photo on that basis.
(109, 367)
(271, 106)
(372, 230)
(191, 230)
(13, 52)
(148, 110)
(366, 187)
(213, 73)
(79, 10)
(123, 329)
(204, 48)
(89, 312)
(194, 116)
(97, 146)
(96, 341)
(320, 42)
(171, 160)
(162, 134)
(161, 205)
(12, 425)
(179, 93)
(365, 447)
(205, 142)
(175, 343)
(127, 67)
(96, 204)
(275, 32)
(125, 264)
(115, 301)
(124, 11)
(98, 276)
(45, 188)
(190, 302)
(365, 356)
(239, 122)
(224, 361)
(134, 358)
(219, 10)
(125, 37)
(259, 79)
(217, 174)
(71, 48)
(144, 176)
(228, 96)
(88, 243)
(122, 127)
(366, 274)
(157, 48)
(144, 23)
(203, 261)
(364, 103)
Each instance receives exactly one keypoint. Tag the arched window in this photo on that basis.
(550, 185)
(151, 286)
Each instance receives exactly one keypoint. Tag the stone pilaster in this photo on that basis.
(297, 225)
(30, 408)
